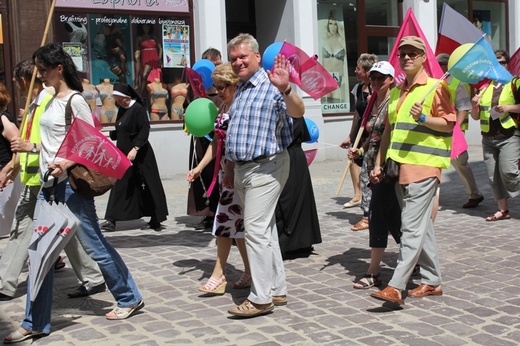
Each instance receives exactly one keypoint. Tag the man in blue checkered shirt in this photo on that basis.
(259, 132)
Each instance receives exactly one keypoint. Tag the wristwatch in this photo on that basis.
(34, 149)
(287, 92)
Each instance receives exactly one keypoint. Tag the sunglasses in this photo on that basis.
(502, 62)
(378, 78)
(411, 55)
(220, 87)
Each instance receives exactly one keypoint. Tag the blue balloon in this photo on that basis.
(204, 68)
(313, 129)
(269, 54)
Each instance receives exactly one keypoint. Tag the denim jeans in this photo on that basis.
(116, 274)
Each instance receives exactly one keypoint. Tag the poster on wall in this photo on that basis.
(111, 54)
(333, 56)
(72, 32)
(176, 44)
(76, 51)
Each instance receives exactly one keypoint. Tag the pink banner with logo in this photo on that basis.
(131, 5)
(85, 145)
(307, 73)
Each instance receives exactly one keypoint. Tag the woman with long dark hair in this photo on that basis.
(57, 70)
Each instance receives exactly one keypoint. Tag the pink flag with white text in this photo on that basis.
(85, 145)
(308, 73)
(410, 27)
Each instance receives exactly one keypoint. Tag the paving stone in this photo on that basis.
(323, 308)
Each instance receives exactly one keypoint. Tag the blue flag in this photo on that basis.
(471, 63)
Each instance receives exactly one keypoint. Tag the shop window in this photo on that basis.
(490, 17)
(337, 30)
(149, 52)
(362, 27)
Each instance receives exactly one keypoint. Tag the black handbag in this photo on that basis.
(391, 171)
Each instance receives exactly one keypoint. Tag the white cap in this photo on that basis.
(383, 67)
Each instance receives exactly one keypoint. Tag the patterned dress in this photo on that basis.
(229, 221)
(374, 130)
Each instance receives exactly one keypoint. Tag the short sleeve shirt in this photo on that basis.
(259, 125)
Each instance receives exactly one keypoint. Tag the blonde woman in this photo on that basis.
(229, 223)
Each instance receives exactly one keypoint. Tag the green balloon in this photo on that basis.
(200, 117)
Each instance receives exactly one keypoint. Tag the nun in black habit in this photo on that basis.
(296, 215)
(140, 192)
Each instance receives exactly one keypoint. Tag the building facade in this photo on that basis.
(337, 31)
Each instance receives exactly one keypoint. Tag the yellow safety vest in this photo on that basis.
(30, 161)
(452, 86)
(411, 142)
(506, 98)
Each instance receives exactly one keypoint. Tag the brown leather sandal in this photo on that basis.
(361, 224)
(499, 215)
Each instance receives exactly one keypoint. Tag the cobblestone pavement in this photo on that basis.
(480, 305)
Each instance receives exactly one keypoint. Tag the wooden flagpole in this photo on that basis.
(345, 172)
(367, 111)
(35, 71)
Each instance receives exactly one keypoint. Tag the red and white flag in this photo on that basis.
(85, 145)
(454, 30)
(196, 83)
(514, 63)
(410, 27)
(308, 73)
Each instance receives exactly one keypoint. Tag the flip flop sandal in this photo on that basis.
(123, 313)
(371, 281)
(499, 215)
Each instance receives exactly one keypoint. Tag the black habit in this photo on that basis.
(140, 192)
(296, 214)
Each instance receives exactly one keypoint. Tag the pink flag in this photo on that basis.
(368, 109)
(454, 30)
(410, 27)
(85, 145)
(514, 63)
(310, 155)
(308, 73)
(97, 123)
(196, 83)
(458, 142)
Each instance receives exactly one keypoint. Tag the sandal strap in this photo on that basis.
(371, 278)
(243, 280)
(213, 283)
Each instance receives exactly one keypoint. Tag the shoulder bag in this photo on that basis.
(82, 179)
(391, 171)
